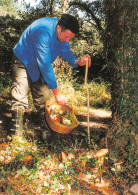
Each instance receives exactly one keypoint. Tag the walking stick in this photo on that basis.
(86, 86)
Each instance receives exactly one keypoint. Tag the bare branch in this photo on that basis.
(88, 10)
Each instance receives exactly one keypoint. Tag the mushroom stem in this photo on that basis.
(100, 173)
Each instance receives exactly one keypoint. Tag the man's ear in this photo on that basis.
(58, 28)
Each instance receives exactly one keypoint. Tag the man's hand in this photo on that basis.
(82, 61)
(60, 98)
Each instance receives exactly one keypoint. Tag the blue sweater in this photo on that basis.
(38, 48)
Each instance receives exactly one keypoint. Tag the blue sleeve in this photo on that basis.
(68, 56)
(42, 51)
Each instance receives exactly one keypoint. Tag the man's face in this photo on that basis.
(64, 36)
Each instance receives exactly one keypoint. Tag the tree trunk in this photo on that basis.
(120, 49)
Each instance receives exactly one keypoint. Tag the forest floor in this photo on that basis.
(67, 165)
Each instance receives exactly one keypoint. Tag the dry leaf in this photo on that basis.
(104, 143)
(104, 191)
(65, 158)
(83, 163)
(107, 191)
(9, 138)
(71, 156)
(84, 177)
(4, 144)
(114, 179)
(102, 184)
(28, 158)
(61, 165)
(94, 170)
(103, 187)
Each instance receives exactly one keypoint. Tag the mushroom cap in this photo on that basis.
(101, 153)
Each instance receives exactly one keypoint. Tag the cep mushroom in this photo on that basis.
(100, 156)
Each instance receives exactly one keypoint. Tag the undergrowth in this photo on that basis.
(27, 167)
(76, 93)
(5, 84)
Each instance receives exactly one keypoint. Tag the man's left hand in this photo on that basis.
(82, 61)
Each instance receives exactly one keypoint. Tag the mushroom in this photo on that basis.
(101, 153)
(100, 156)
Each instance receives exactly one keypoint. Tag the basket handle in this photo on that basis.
(48, 104)
(70, 105)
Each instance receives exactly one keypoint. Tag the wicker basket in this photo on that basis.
(55, 126)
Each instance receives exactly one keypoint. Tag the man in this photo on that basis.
(37, 49)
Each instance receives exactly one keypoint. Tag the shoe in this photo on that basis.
(46, 131)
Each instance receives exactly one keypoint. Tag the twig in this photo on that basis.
(86, 86)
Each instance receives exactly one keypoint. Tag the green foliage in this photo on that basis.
(77, 94)
(7, 7)
(9, 32)
(5, 82)
(10, 29)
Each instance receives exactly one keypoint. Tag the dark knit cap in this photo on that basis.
(70, 23)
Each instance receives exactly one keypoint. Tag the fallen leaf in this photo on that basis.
(134, 189)
(61, 165)
(83, 163)
(105, 168)
(4, 144)
(71, 156)
(28, 158)
(103, 187)
(94, 170)
(9, 115)
(65, 158)
(102, 184)
(45, 151)
(104, 143)
(9, 138)
(104, 191)
(107, 191)
(2, 99)
(84, 177)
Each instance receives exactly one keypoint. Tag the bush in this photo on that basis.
(77, 95)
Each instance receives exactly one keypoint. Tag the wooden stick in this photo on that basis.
(86, 86)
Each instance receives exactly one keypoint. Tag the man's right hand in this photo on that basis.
(60, 98)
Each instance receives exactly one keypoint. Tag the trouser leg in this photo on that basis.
(20, 85)
(19, 93)
(19, 88)
(17, 122)
(19, 96)
(41, 94)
